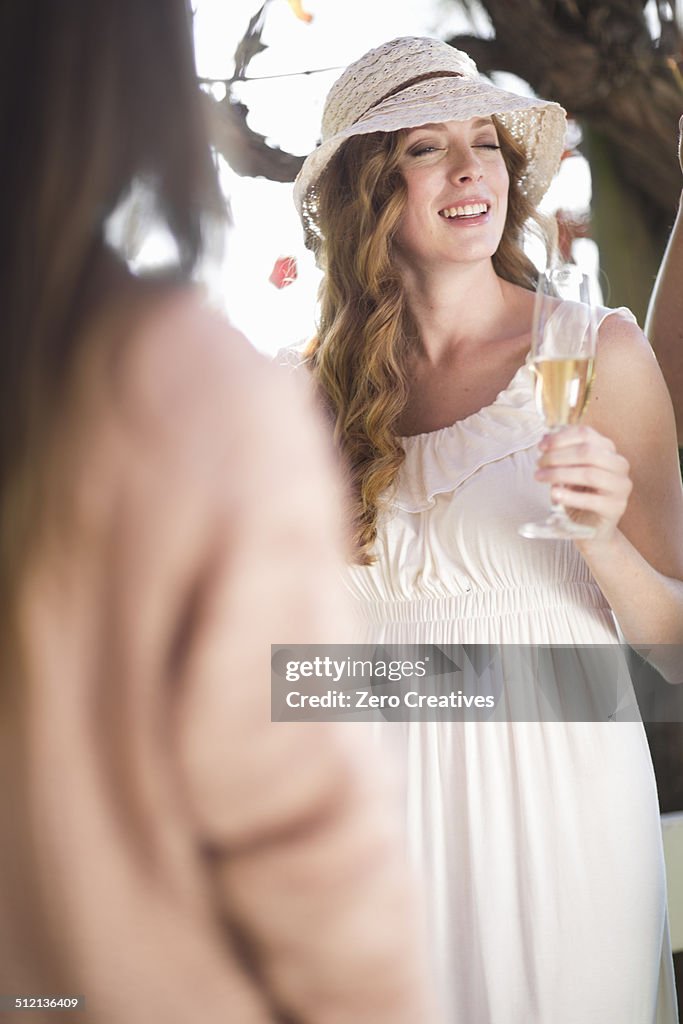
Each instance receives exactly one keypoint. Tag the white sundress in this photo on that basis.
(539, 843)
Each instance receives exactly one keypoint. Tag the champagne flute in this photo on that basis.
(564, 337)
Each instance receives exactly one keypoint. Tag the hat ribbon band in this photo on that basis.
(408, 85)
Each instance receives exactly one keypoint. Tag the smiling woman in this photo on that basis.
(532, 834)
(456, 181)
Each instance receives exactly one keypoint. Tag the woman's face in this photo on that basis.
(457, 188)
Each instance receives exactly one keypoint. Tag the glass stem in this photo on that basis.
(556, 507)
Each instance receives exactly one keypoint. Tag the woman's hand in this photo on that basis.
(587, 475)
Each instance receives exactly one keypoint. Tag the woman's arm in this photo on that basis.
(664, 322)
(619, 471)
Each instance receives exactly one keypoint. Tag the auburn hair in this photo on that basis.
(366, 334)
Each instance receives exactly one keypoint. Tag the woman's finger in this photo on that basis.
(608, 508)
(585, 456)
(579, 435)
(596, 478)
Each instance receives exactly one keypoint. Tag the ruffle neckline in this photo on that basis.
(440, 461)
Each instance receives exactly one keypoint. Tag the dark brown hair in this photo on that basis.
(100, 96)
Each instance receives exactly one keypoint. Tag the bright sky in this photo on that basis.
(288, 110)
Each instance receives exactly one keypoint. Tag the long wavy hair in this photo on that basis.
(100, 99)
(366, 333)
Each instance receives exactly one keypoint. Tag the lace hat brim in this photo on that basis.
(537, 125)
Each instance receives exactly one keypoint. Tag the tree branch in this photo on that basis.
(487, 54)
(247, 152)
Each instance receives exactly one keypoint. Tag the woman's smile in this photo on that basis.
(467, 212)
(457, 185)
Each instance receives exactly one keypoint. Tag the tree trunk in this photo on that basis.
(629, 251)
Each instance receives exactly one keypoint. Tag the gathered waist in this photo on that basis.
(478, 604)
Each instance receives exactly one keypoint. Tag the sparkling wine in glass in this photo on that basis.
(564, 336)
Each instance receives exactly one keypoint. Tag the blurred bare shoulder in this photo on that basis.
(184, 362)
(202, 469)
(178, 395)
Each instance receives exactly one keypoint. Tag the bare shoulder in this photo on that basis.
(629, 396)
(631, 406)
(183, 369)
(194, 367)
(181, 348)
(178, 398)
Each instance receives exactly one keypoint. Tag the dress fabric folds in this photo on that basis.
(539, 842)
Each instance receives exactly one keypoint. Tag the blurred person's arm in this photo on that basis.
(664, 322)
(300, 820)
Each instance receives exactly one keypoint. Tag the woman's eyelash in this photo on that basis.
(419, 150)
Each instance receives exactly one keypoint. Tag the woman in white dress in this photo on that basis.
(539, 841)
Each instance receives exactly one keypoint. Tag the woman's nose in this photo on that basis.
(465, 166)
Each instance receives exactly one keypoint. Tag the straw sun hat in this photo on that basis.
(412, 81)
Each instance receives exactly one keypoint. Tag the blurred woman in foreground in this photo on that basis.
(167, 853)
